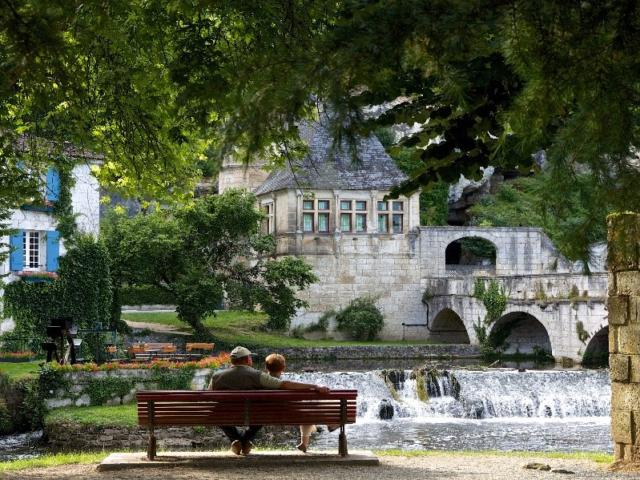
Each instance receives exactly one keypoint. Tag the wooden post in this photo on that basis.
(151, 450)
(342, 439)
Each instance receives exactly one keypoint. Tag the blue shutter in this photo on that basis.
(53, 250)
(53, 185)
(16, 258)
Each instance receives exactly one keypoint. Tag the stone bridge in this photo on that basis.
(425, 283)
(551, 304)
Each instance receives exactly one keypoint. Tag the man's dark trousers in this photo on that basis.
(233, 434)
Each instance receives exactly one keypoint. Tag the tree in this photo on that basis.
(206, 250)
(529, 202)
(154, 84)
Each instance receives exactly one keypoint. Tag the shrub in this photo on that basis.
(361, 319)
(145, 295)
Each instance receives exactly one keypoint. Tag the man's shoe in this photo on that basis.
(246, 448)
(236, 447)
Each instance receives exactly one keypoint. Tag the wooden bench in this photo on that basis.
(162, 408)
(145, 351)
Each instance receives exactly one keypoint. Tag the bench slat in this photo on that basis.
(272, 395)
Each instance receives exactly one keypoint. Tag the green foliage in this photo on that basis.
(197, 252)
(434, 204)
(52, 379)
(573, 216)
(21, 405)
(479, 288)
(361, 319)
(63, 207)
(434, 197)
(157, 86)
(492, 297)
(479, 247)
(173, 379)
(82, 292)
(277, 294)
(145, 295)
(104, 388)
(31, 305)
(583, 335)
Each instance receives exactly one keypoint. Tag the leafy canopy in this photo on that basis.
(154, 84)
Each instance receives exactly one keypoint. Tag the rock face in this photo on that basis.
(385, 410)
(624, 334)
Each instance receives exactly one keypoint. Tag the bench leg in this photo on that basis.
(151, 449)
(342, 442)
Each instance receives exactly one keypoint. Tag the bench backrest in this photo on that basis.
(200, 346)
(246, 407)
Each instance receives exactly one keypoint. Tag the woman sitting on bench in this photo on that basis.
(275, 366)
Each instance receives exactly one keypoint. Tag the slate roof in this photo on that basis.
(332, 167)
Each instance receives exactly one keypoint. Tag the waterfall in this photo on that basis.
(506, 394)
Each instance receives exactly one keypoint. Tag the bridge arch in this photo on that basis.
(471, 253)
(521, 332)
(448, 327)
(597, 352)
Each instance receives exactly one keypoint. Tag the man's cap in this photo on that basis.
(240, 352)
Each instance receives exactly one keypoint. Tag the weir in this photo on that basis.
(483, 394)
(535, 410)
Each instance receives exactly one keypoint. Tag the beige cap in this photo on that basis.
(240, 352)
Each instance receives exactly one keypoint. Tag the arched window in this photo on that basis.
(470, 253)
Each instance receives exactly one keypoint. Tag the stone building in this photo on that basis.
(332, 211)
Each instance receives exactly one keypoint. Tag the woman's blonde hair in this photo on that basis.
(275, 363)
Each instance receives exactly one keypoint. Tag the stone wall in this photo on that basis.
(378, 352)
(67, 436)
(624, 334)
(76, 392)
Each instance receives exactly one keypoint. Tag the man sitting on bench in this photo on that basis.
(241, 376)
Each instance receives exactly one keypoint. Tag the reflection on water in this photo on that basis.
(576, 434)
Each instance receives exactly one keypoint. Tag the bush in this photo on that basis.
(361, 319)
(145, 295)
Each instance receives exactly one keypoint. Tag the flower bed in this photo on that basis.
(24, 356)
(208, 362)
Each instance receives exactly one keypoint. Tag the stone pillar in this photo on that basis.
(624, 333)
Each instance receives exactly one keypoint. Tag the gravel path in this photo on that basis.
(454, 467)
(157, 327)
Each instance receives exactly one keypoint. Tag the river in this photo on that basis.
(534, 410)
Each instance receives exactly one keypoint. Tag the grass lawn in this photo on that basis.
(247, 328)
(20, 369)
(51, 460)
(103, 416)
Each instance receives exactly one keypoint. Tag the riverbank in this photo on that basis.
(417, 465)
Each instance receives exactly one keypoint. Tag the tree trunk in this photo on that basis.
(200, 332)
